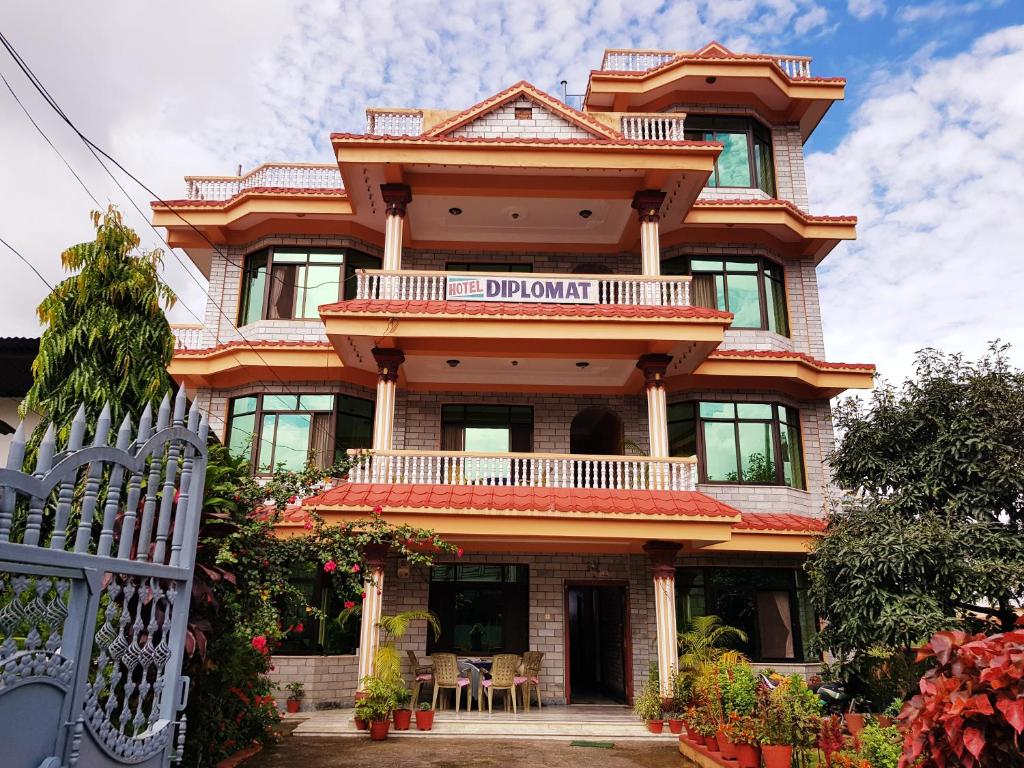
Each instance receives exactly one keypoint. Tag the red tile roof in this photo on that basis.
(769, 521)
(539, 141)
(783, 355)
(510, 309)
(518, 499)
(255, 344)
(771, 202)
(253, 192)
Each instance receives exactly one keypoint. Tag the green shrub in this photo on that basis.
(880, 746)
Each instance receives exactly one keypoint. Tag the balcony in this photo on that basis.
(187, 336)
(533, 287)
(625, 60)
(394, 122)
(277, 175)
(656, 126)
(525, 470)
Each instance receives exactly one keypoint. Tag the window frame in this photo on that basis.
(754, 127)
(762, 284)
(257, 435)
(511, 591)
(683, 587)
(314, 629)
(777, 421)
(530, 408)
(347, 269)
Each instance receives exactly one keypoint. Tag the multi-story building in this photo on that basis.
(584, 345)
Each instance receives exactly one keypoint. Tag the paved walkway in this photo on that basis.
(324, 752)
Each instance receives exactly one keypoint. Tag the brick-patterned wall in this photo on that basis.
(327, 680)
(418, 417)
(541, 261)
(502, 122)
(548, 576)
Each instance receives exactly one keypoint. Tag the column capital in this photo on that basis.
(647, 203)
(375, 556)
(663, 557)
(388, 362)
(654, 367)
(396, 198)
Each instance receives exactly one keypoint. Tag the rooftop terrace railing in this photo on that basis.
(624, 60)
(394, 122)
(525, 470)
(187, 336)
(413, 285)
(655, 126)
(283, 175)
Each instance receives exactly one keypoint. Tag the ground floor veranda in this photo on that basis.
(594, 616)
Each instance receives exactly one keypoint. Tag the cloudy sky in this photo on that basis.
(927, 149)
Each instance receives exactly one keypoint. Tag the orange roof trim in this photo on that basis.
(337, 192)
(523, 88)
(773, 202)
(760, 354)
(768, 522)
(529, 141)
(257, 345)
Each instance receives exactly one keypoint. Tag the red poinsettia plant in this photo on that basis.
(970, 711)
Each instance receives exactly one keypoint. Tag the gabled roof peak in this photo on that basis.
(714, 48)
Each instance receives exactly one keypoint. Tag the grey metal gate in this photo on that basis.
(97, 549)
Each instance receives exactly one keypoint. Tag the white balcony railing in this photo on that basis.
(284, 175)
(525, 470)
(653, 127)
(795, 66)
(620, 60)
(632, 290)
(394, 122)
(187, 336)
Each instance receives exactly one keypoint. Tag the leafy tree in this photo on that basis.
(107, 340)
(930, 538)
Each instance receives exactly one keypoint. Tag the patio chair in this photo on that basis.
(532, 664)
(421, 674)
(446, 676)
(502, 677)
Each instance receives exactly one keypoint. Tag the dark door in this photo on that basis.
(597, 644)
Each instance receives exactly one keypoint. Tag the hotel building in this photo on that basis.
(585, 345)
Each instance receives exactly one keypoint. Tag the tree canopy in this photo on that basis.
(107, 340)
(931, 535)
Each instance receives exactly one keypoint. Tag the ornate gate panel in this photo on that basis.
(97, 549)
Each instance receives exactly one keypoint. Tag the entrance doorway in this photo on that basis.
(598, 668)
(596, 431)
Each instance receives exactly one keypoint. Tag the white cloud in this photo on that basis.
(940, 9)
(864, 9)
(933, 167)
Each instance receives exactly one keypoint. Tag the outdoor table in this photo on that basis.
(471, 667)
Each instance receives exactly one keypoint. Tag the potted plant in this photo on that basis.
(791, 717)
(648, 708)
(296, 693)
(738, 693)
(889, 715)
(744, 732)
(709, 702)
(682, 692)
(379, 701)
(424, 717)
(362, 715)
(694, 726)
(402, 714)
(675, 721)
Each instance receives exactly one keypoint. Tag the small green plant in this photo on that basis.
(380, 697)
(296, 690)
(791, 714)
(403, 697)
(743, 729)
(648, 704)
(738, 685)
(894, 708)
(881, 747)
(682, 691)
(424, 707)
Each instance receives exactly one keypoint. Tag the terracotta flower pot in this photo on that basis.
(655, 726)
(403, 717)
(725, 745)
(854, 722)
(379, 729)
(712, 743)
(777, 755)
(675, 725)
(293, 705)
(884, 721)
(698, 739)
(424, 719)
(361, 725)
(748, 756)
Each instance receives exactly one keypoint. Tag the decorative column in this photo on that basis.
(663, 570)
(647, 203)
(374, 559)
(388, 362)
(654, 367)
(396, 198)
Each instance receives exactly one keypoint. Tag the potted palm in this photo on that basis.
(296, 693)
(402, 714)
(424, 717)
(648, 708)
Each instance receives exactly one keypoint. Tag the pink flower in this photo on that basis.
(378, 509)
(293, 499)
(329, 566)
(363, 595)
(308, 524)
(349, 605)
(299, 627)
(259, 643)
(356, 568)
(459, 552)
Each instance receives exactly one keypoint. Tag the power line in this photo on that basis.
(27, 262)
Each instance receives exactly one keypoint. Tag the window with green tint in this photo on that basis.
(284, 442)
(316, 402)
(242, 431)
(770, 605)
(286, 283)
(753, 289)
(746, 159)
(747, 443)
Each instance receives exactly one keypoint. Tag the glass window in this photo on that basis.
(752, 289)
(321, 636)
(769, 604)
(750, 443)
(300, 280)
(474, 266)
(482, 608)
(746, 157)
(295, 430)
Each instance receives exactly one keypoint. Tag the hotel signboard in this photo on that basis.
(535, 290)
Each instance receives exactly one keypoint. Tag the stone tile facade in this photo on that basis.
(327, 680)
(503, 123)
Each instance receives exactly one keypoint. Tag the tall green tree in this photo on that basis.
(107, 340)
(931, 536)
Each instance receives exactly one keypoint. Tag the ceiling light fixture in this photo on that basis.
(586, 213)
(711, 80)
(455, 211)
(515, 362)
(514, 215)
(582, 364)
(452, 363)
